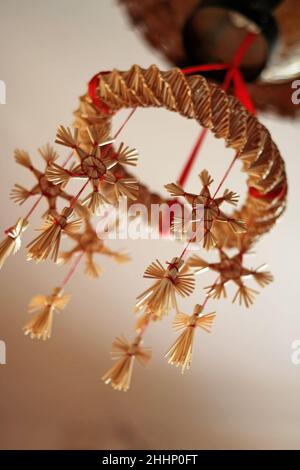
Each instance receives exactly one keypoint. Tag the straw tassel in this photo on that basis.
(19, 194)
(23, 158)
(12, 243)
(40, 326)
(126, 155)
(48, 242)
(92, 269)
(58, 175)
(120, 374)
(127, 187)
(94, 201)
(180, 353)
(172, 281)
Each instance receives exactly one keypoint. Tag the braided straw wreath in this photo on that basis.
(196, 98)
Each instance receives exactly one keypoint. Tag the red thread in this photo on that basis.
(188, 166)
(234, 76)
(72, 271)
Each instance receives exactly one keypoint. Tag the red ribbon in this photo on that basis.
(92, 92)
(277, 193)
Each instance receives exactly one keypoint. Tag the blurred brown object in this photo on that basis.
(162, 21)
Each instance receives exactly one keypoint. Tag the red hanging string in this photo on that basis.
(191, 159)
(234, 76)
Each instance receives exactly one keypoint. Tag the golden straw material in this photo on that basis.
(12, 243)
(195, 98)
(209, 208)
(91, 244)
(49, 191)
(174, 280)
(48, 242)
(40, 326)
(97, 158)
(144, 320)
(231, 269)
(124, 353)
(180, 353)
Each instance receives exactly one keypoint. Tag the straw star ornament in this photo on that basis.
(43, 187)
(95, 166)
(89, 243)
(211, 209)
(231, 269)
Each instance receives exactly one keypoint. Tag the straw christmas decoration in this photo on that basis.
(95, 165)
(43, 187)
(231, 269)
(196, 98)
(180, 353)
(104, 168)
(161, 297)
(124, 353)
(211, 208)
(41, 325)
(12, 243)
(89, 243)
(48, 242)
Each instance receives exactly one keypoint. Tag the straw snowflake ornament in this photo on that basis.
(210, 208)
(43, 187)
(231, 269)
(89, 243)
(95, 166)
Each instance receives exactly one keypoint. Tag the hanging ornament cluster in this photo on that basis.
(104, 172)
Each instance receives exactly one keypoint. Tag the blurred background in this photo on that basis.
(242, 391)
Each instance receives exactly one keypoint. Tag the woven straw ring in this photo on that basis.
(196, 98)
